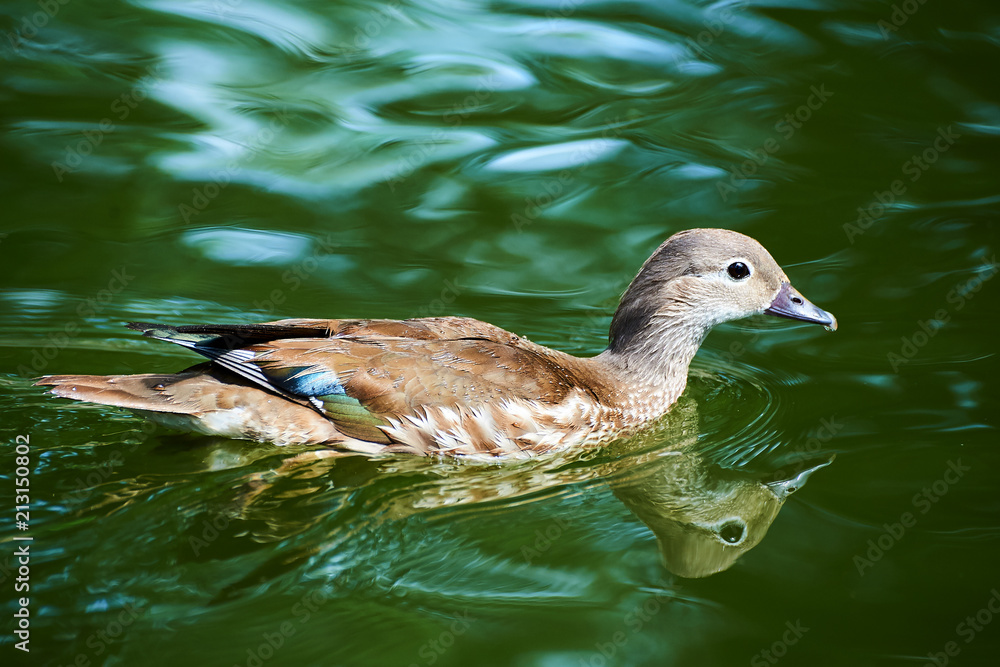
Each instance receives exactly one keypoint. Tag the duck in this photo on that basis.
(457, 386)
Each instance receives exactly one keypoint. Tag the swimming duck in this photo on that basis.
(456, 385)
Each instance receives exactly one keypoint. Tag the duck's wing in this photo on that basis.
(366, 375)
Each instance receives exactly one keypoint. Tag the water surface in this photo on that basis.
(243, 160)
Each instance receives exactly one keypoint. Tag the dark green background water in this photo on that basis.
(240, 160)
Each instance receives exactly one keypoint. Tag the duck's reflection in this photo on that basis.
(704, 516)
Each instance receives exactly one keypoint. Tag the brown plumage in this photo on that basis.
(454, 385)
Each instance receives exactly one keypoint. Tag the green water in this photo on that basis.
(242, 160)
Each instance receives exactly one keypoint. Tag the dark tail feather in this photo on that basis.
(225, 336)
(224, 345)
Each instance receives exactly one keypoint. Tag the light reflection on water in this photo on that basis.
(515, 162)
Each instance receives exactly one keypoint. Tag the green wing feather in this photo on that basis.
(353, 419)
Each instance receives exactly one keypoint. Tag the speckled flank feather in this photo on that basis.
(449, 385)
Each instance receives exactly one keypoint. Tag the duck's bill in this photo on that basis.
(788, 484)
(789, 303)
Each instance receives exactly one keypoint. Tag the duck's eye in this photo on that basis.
(738, 271)
(732, 532)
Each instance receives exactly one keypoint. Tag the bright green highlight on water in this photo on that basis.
(244, 160)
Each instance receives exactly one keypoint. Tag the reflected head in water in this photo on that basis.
(704, 516)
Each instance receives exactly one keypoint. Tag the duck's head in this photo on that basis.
(702, 277)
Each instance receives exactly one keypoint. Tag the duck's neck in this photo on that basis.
(649, 355)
